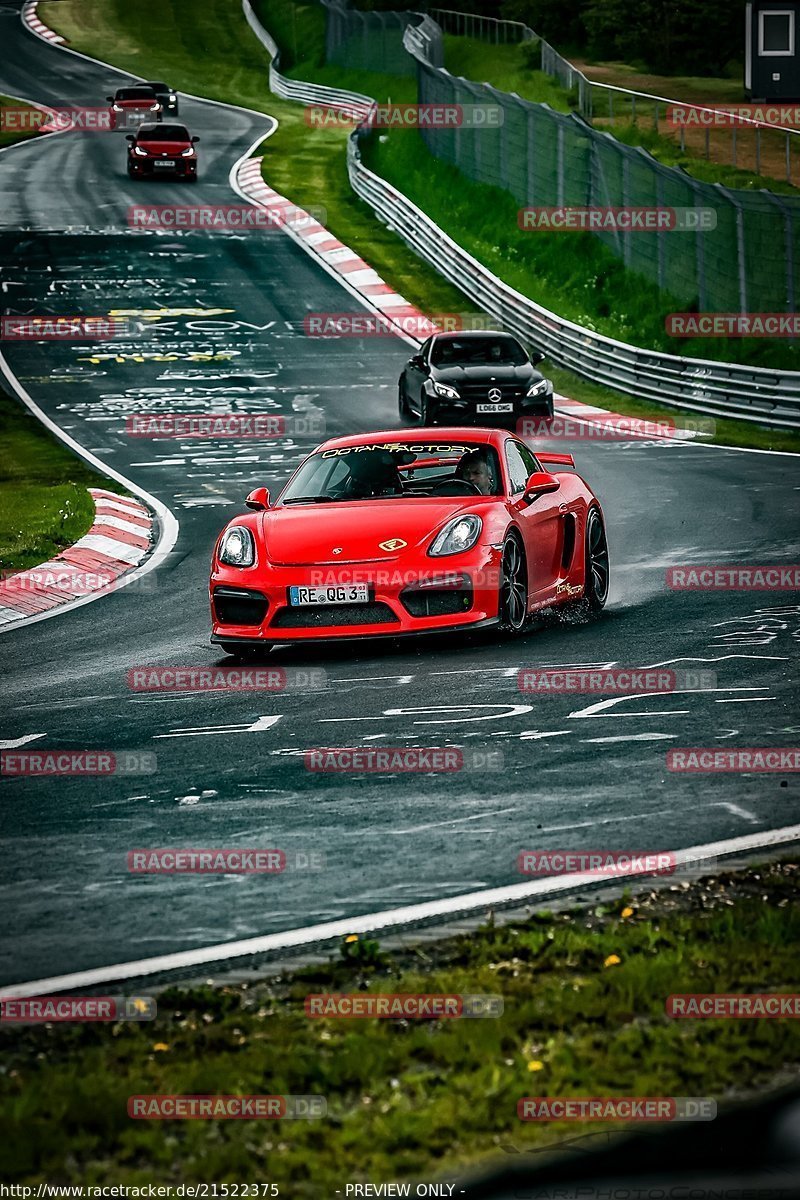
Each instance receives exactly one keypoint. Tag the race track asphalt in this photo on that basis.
(576, 772)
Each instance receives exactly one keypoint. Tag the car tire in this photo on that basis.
(425, 417)
(512, 600)
(402, 402)
(596, 562)
(550, 411)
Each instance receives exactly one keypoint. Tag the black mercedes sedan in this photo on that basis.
(475, 378)
(167, 96)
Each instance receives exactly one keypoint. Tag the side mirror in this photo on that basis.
(195, 139)
(537, 357)
(539, 484)
(416, 361)
(110, 99)
(129, 137)
(258, 499)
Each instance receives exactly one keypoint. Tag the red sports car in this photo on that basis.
(385, 534)
(132, 105)
(162, 150)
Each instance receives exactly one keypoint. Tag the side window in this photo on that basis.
(531, 464)
(517, 469)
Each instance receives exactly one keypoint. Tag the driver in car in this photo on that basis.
(475, 468)
(373, 473)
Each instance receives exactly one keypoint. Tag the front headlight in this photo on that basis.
(187, 153)
(237, 548)
(155, 107)
(458, 535)
(117, 107)
(172, 97)
(138, 150)
(536, 389)
(444, 389)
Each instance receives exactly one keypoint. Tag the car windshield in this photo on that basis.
(140, 93)
(164, 133)
(477, 351)
(396, 470)
(157, 86)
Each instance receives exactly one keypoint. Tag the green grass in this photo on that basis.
(211, 52)
(44, 504)
(506, 67)
(9, 137)
(417, 1099)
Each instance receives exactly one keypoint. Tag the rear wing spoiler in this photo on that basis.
(563, 460)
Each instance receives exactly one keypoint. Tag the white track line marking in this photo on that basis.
(737, 810)
(630, 737)
(483, 816)
(535, 734)
(395, 918)
(13, 743)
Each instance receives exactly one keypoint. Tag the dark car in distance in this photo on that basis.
(475, 377)
(166, 96)
(164, 149)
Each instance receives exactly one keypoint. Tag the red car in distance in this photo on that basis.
(162, 150)
(132, 105)
(409, 532)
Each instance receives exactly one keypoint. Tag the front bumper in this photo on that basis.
(185, 168)
(251, 606)
(464, 411)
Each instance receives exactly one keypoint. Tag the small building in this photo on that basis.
(771, 60)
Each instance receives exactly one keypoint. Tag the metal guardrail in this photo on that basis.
(298, 90)
(698, 385)
(425, 41)
(757, 394)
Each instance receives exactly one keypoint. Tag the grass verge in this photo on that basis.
(583, 992)
(44, 504)
(211, 52)
(9, 133)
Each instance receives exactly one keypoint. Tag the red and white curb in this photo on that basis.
(118, 541)
(358, 276)
(616, 425)
(30, 20)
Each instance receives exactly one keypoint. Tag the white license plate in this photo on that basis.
(495, 408)
(164, 162)
(353, 593)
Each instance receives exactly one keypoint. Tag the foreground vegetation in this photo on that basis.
(583, 992)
